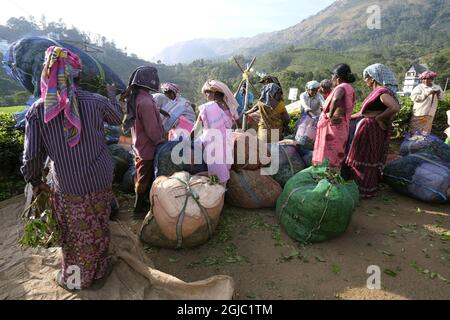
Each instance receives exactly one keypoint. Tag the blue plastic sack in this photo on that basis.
(421, 176)
(425, 143)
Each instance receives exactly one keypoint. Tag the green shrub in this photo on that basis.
(403, 118)
(294, 118)
(11, 145)
(441, 121)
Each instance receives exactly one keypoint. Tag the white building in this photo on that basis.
(412, 77)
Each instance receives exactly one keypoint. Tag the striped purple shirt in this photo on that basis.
(88, 166)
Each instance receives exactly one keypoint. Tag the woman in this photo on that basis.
(333, 126)
(216, 120)
(426, 97)
(274, 117)
(67, 126)
(368, 151)
(146, 130)
(311, 100)
(181, 115)
(325, 88)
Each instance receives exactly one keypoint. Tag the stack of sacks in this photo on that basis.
(248, 187)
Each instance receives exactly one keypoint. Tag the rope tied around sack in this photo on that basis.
(189, 194)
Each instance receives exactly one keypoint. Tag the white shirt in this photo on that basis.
(425, 104)
(313, 104)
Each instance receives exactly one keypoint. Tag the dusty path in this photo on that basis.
(407, 239)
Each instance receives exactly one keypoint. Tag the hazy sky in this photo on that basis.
(146, 27)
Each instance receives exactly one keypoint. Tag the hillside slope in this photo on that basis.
(343, 25)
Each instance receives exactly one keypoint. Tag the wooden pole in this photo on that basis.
(247, 82)
(244, 121)
(243, 71)
(446, 85)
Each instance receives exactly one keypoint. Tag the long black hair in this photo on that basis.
(344, 73)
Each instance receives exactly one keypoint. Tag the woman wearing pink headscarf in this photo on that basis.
(67, 126)
(216, 120)
(426, 97)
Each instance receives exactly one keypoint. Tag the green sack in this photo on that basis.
(317, 205)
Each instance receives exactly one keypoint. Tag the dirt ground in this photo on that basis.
(408, 240)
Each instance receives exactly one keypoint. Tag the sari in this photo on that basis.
(369, 149)
(216, 139)
(271, 119)
(331, 139)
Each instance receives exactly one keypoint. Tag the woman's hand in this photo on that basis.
(42, 187)
(336, 121)
(381, 123)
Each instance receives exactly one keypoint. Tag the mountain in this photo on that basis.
(343, 25)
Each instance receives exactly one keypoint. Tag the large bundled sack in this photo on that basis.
(307, 155)
(185, 211)
(288, 159)
(165, 164)
(112, 134)
(421, 176)
(306, 132)
(122, 160)
(24, 59)
(425, 143)
(251, 190)
(317, 205)
(249, 152)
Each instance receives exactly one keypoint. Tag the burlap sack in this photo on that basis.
(247, 152)
(251, 190)
(185, 211)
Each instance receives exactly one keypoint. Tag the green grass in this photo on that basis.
(9, 110)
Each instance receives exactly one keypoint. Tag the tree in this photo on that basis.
(22, 26)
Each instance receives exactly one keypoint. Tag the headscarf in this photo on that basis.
(61, 66)
(312, 85)
(230, 100)
(383, 75)
(428, 75)
(270, 79)
(146, 77)
(171, 87)
(269, 91)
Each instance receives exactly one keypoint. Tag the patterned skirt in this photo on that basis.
(85, 234)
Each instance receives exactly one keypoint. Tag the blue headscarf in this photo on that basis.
(383, 75)
(269, 91)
